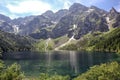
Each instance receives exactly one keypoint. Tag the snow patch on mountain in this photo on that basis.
(16, 29)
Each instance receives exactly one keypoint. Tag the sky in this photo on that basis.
(22, 8)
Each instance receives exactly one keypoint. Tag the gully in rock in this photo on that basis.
(47, 43)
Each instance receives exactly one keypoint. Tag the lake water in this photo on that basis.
(61, 62)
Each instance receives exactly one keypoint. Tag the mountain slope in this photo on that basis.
(86, 19)
(87, 25)
(110, 42)
(11, 42)
(54, 25)
(4, 18)
(97, 41)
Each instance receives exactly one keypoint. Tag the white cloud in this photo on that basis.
(67, 4)
(29, 6)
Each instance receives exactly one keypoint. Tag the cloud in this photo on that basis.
(67, 4)
(29, 6)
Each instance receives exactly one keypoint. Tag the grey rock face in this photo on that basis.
(50, 24)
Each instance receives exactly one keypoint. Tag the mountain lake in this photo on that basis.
(57, 62)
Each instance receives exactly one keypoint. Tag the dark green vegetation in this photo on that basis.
(70, 47)
(44, 45)
(44, 76)
(108, 71)
(12, 72)
(97, 41)
(12, 42)
(110, 42)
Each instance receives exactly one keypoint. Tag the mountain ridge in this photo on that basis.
(64, 26)
(77, 14)
(60, 23)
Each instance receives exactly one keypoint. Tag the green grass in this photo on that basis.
(61, 40)
(98, 41)
(41, 45)
(52, 44)
(107, 71)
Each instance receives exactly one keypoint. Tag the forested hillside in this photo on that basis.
(97, 41)
(110, 42)
(12, 42)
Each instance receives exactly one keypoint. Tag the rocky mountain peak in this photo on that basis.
(113, 13)
(115, 17)
(87, 19)
(4, 18)
(61, 13)
(48, 13)
(98, 10)
(22, 21)
(55, 16)
(113, 10)
(77, 7)
(94, 7)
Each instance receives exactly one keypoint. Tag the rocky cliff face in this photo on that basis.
(86, 19)
(5, 26)
(114, 18)
(78, 20)
(113, 14)
(4, 18)
(5, 23)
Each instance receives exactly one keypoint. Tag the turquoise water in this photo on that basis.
(58, 62)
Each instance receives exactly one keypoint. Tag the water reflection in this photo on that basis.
(60, 62)
(90, 59)
(73, 61)
(48, 58)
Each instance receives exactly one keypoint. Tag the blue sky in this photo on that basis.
(22, 8)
